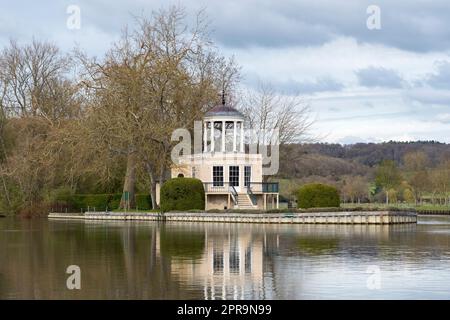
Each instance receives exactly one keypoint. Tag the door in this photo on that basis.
(247, 176)
(234, 177)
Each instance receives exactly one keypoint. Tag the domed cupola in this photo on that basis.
(223, 129)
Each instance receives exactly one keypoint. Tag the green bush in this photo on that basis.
(97, 201)
(61, 194)
(60, 199)
(182, 194)
(318, 195)
(114, 201)
(143, 202)
(102, 201)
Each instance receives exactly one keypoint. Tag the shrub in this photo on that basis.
(97, 201)
(318, 195)
(143, 201)
(114, 201)
(60, 199)
(182, 194)
(34, 210)
(61, 194)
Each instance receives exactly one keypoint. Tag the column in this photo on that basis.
(223, 135)
(205, 136)
(234, 135)
(278, 201)
(212, 135)
(242, 136)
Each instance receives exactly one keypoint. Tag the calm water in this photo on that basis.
(147, 260)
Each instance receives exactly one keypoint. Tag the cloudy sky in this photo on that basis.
(362, 84)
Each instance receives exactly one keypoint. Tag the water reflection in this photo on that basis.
(148, 260)
(230, 266)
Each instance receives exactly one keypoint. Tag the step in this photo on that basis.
(244, 202)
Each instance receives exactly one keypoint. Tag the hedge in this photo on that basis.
(143, 201)
(100, 202)
(114, 201)
(182, 194)
(97, 201)
(317, 195)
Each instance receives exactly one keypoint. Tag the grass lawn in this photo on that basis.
(429, 207)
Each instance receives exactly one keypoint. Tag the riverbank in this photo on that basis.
(420, 209)
(360, 217)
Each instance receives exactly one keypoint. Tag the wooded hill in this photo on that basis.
(325, 159)
(402, 171)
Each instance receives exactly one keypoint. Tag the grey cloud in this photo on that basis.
(309, 87)
(434, 88)
(379, 77)
(293, 86)
(427, 95)
(443, 118)
(414, 26)
(441, 79)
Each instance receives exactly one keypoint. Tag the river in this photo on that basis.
(151, 260)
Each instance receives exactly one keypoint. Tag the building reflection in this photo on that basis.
(230, 267)
(150, 260)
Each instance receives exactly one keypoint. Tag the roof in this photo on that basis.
(223, 110)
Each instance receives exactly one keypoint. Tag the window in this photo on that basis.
(217, 261)
(247, 176)
(193, 172)
(248, 260)
(234, 258)
(234, 176)
(217, 176)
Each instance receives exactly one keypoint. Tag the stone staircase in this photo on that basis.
(244, 202)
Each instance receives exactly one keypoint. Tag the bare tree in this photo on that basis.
(276, 118)
(157, 78)
(267, 110)
(31, 76)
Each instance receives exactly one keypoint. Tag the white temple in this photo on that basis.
(232, 178)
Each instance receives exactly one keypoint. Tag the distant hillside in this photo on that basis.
(334, 160)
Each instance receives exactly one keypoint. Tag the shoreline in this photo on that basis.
(344, 217)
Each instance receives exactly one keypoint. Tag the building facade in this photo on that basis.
(232, 178)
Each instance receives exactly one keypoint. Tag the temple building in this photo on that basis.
(232, 178)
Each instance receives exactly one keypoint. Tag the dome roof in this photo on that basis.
(223, 110)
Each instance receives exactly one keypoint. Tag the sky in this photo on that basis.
(363, 84)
